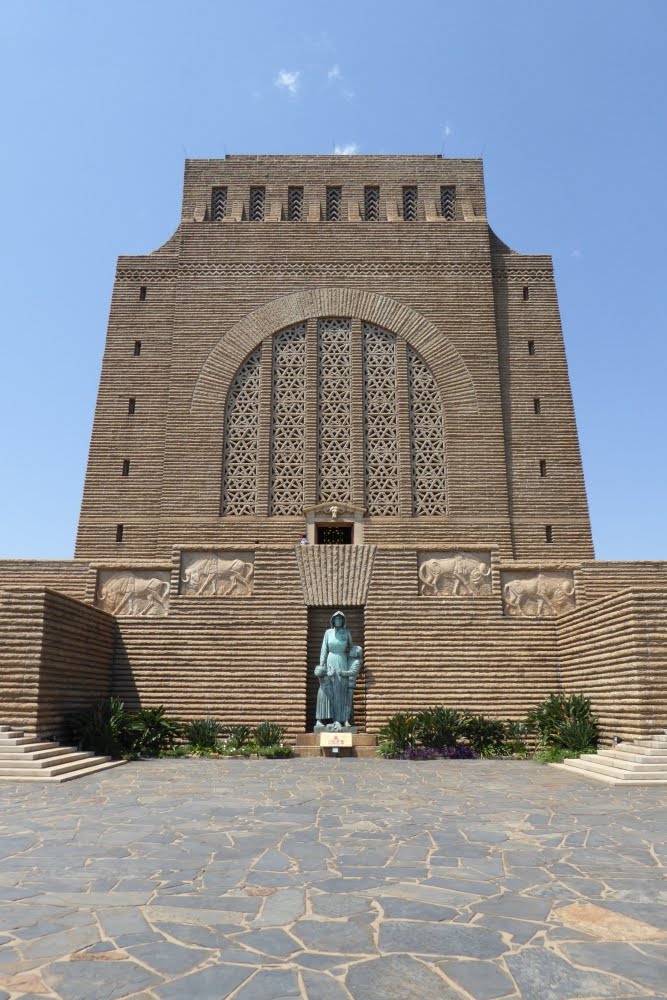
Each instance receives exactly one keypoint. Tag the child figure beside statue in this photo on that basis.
(338, 669)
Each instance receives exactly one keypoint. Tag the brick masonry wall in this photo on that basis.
(55, 658)
(238, 660)
(67, 576)
(559, 497)
(615, 651)
(248, 659)
(601, 579)
(459, 652)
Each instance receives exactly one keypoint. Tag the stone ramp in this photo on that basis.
(26, 758)
(642, 762)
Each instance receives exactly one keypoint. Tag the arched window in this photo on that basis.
(351, 413)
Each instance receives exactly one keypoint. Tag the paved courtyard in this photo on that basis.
(332, 879)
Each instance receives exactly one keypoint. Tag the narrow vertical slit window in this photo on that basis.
(126, 467)
(372, 204)
(531, 346)
(448, 203)
(526, 293)
(543, 468)
(137, 348)
(218, 204)
(257, 198)
(142, 293)
(131, 405)
(548, 533)
(295, 204)
(537, 404)
(333, 206)
(410, 204)
(119, 532)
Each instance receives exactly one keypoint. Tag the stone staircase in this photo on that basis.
(25, 758)
(643, 762)
(308, 745)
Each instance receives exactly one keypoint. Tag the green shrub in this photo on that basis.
(277, 751)
(151, 731)
(439, 727)
(267, 734)
(386, 748)
(553, 755)
(517, 737)
(576, 735)
(102, 728)
(179, 751)
(398, 733)
(547, 718)
(238, 736)
(202, 735)
(486, 736)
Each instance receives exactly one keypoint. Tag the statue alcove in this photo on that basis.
(319, 620)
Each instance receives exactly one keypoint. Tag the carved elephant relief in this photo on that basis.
(455, 574)
(133, 592)
(217, 574)
(538, 594)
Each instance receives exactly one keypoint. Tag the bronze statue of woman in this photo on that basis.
(340, 662)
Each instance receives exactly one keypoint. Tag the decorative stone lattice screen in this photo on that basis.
(332, 389)
(241, 446)
(380, 429)
(334, 418)
(288, 437)
(427, 436)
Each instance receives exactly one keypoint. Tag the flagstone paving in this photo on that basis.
(333, 880)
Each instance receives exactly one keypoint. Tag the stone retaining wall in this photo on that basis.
(55, 657)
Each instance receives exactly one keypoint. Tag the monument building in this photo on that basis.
(334, 389)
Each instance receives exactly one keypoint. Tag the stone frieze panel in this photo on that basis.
(140, 592)
(217, 574)
(455, 574)
(538, 593)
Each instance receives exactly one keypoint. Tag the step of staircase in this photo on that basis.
(630, 756)
(23, 758)
(38, 751)
(642, 762)
(14, 740)
(55, 760)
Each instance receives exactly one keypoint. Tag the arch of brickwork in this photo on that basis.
(453, 378)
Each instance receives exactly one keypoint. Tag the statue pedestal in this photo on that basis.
(308, 745)
(333, 727)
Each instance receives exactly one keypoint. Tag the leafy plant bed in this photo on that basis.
(221, 752)
(106, 727)
(560, 726)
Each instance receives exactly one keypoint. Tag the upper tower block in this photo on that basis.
(333, 189)
(337, 331)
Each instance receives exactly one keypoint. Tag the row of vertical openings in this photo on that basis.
(333, 203)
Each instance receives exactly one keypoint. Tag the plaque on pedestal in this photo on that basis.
(335, 739)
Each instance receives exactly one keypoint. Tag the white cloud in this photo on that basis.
(289, 80)
(335, 76)
(446, 130)
(348, 150)
(576, 252)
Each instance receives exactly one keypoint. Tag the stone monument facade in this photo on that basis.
(335, 388)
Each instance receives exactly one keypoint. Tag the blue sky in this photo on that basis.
(101, 102)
